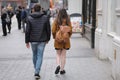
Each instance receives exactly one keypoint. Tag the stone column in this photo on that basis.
(99, 30)
(116, 40)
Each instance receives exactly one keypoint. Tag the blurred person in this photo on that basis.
(48, 13)
(10, 14)
(44, 11)
(2, 8)
(3, 19)
(38, 33)
(32, 10)
(23, 18)
(18, 16)
(62, 20)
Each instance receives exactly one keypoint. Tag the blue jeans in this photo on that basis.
(38, 49)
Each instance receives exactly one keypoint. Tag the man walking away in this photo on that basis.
(3, 19)
(18, 16)
(10, 14)
(38, 33)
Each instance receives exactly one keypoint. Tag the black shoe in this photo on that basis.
(4, 35)
(57, 70)
(37, 76)
(62, 72)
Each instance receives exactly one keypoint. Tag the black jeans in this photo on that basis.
(19, 23)
(23, 24)
(4, 28)
(9, 27)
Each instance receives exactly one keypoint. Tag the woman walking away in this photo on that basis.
(62, 20)
(38, 32)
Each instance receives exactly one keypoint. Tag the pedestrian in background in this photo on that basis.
(38, 33)
(32, 10)
(18, 16)
(3, 19)
(48, 13)
(2, 8)
(62, 19)
(10, 14)
(23, 18)
(44, 11)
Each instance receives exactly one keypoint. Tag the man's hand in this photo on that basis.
(27, 45)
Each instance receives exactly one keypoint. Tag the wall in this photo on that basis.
(100, 33)
(74, 6)
(45, 4)
(107, 34)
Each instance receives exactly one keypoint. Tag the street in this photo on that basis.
(81, 64)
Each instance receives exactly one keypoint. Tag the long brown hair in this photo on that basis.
(62, 14)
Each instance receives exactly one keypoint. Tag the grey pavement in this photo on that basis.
(81, 64)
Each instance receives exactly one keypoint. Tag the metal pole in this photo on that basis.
(89, 17)
(93, 24)
(83, 16)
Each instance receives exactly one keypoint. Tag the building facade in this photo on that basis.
(75, 6)
(107, 34)
(89, 20)
(44, 3)
(101, 20)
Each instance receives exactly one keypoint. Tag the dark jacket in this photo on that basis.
(11, 14)
(3, 17)
(23, 14)
(38, 28)
(18, 13)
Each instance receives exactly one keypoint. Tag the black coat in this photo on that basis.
(38, 28)
(3, 17)
(18, 13)
(11, 14)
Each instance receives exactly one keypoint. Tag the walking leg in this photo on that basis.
(63, 59)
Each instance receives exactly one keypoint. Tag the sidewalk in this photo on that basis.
(81, 64)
